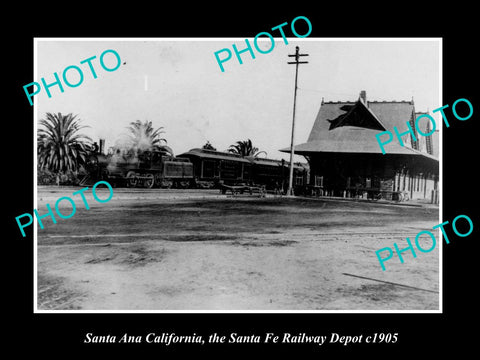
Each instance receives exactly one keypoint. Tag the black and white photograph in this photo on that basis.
(219, 180)
(169, 169)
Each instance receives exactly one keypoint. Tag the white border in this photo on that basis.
(440, 188)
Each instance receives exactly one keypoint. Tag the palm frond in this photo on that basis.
(60, 147)
(143, 135)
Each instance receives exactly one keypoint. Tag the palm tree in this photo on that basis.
(208, 146)
(144, 137)
(60, 148)
(245, 148)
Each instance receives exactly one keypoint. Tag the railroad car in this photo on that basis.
(214, 167)
(197, 168)
(141, 169)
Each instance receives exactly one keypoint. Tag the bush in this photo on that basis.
(47, 177)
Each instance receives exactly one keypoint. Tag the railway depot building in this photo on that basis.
(346, 160)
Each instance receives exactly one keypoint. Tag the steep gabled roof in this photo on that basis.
(358, 115)
(328, 111)
(393, 113)
(338, 127)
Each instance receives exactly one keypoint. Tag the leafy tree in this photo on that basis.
(60, 147)
(245, 148)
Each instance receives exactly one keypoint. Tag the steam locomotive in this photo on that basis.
(197, 168)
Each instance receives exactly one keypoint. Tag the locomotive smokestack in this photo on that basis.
(102, 146)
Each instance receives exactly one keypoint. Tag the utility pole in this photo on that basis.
(292, 151)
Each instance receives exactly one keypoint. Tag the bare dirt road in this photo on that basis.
(199, 250)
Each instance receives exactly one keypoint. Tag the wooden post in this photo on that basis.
(292, 150)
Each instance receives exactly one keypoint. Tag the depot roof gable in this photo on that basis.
(350, 127)
(358, 115)
(378, 116)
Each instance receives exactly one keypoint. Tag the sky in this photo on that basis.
(178, 85)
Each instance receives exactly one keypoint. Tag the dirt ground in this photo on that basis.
(151, 249)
